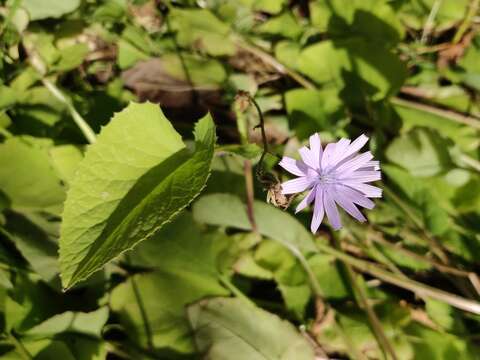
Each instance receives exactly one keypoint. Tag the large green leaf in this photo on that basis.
(133, 180)
(203, 30)
(184, 263)
(421, 151)
(20, 157)
(227, 328)
(42, 9)
(367, 69)
(373, 20)
(228, 210)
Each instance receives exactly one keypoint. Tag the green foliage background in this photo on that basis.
(153, 219)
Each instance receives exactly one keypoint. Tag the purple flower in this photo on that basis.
(335, 175)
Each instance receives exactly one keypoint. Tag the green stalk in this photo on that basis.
(416, 287)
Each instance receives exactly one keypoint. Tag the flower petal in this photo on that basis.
(316, 148)
(355, 196)
(295, 167)
(327, 156)
(361, 176)
(368, 190)
(371, 166)
(347, 205)
(354, 164)
(340, 148)
(318, 210)
(356, 145)
(297, 185)
(309, 157)
(331, 210)
(306, 200)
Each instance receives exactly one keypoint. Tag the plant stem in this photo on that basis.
(261, 125)
(472, 10)
(272, 61)
(141, 308)
(236, 291)
(79, 120)
(435, 245)
(247, 170)
(447, 114)
(20, 347)
(430, 21)
(39, 66)
(418, 288)
(377, 327)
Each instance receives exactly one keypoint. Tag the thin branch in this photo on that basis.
(435, 245)
(79, 120)
(377, 327)
(472, 10)
(40, 67)
(235, 291)
(447, 114)
(427, 29)
(272, 61)
(418, 288)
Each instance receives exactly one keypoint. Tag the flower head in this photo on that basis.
(335, 175)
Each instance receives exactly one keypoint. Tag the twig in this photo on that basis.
(447, 114)
(430, 21)
(79, 120)
(472, 10)
(377, 327)
(436, 246)
(418, 288)
(235, 291)
(40, 67)
(439, 266)
(272, 61)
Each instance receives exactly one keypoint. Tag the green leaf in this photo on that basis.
(72, 57)
(65, 160)
(421, 151)
(374, 20)
(184, 264)
(311, 110)
(20, 158)
(36, 239)
(90, 324)
(228, 210)
(42, 9)
(200, 29)
(367, 69)
(227, 328)
(284, 25)
(132, 181)
(269, 6)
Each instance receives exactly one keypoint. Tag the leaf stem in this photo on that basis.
(236, 291)
(77, 118)
(38, 64)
